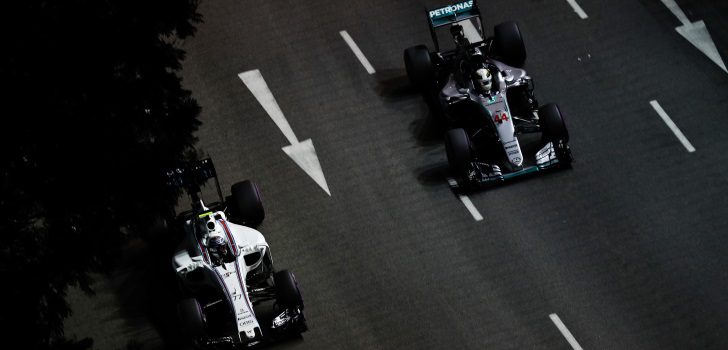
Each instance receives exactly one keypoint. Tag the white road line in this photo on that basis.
(466, 201)
(565, 332)
(357, 52)
(577, 9)
(672, 126)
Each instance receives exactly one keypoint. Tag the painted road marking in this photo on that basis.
(301, 152)
(577, 9)
(466, 201)
(696, 33)
(471, 33)
(357, 52)
(672, 126)
(565, 332)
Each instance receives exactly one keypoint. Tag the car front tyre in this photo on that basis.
(192, 318)
(459, 152)
(288, 292)
(553, 129)
(247, 203)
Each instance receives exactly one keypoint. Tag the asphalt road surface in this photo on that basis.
(628, 248)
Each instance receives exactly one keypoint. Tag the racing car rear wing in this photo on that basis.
(453, 13)
(446, 15)
(192, 176)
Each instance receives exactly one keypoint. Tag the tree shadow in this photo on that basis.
(146, 288)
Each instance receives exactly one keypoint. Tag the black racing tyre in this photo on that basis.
(289, 295)
(552, 124)
(419, 66)
(192, 317)
(508, 44)
(459, 151)
(247, 204)
(553, 129)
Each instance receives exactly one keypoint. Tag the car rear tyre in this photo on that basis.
(289, 295)
(508, 44)
(247, 204)
(419, 66)
(193, 320)
(459, 151)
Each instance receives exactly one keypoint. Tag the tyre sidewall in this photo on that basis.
(508, 44)
(459, 151)
(247, 203)
(419, 67)
(289, 294)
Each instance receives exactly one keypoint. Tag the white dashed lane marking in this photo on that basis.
(565, 332)
(672, 126)
(466, 201)
(577, 9)
(357, 52)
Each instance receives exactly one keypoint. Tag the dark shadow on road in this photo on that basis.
(396, 91)
(428, 130)
(433, 174)
(146, 288)
(393, 85)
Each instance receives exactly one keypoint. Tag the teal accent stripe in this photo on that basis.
(524, 171)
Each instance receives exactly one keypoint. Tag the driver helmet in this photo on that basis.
(217, 246)
(483, 79)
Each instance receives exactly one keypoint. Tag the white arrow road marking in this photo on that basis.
(670, 124)
(357, 52)
(577, 9)
(696, 33)
(565, 332)
(302, 153)
(466, 201)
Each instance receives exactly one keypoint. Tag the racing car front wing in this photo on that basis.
(548, 157)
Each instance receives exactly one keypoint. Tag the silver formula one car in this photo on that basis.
(225, 269)
(478, 85)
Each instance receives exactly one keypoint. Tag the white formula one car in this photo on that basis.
(225, 269)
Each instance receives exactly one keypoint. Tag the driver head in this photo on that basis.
(217, 246)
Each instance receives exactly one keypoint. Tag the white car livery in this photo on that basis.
(224, 284)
